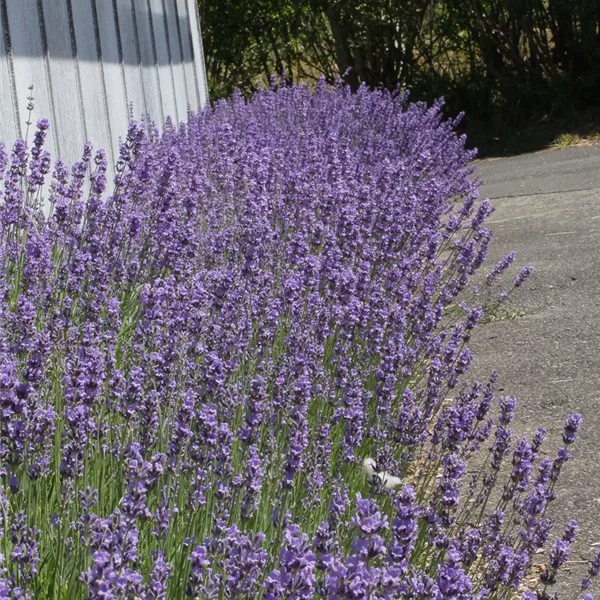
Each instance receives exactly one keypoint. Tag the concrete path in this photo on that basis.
(548, 211)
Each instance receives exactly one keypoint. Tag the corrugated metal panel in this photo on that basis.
(193, 20)
(95, 63)
(69, 108)
(132, 67)
(188, 53)
(29, 63)
(111, 63)
(175, 58)
(161, 50)
(9, 111)
(148, 60)
(93, 89)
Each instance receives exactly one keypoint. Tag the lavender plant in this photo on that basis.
(197, 362)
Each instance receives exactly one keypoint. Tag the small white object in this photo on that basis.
(387, 479)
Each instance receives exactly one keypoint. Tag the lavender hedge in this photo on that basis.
(230, 378)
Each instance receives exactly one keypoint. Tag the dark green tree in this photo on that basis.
(500, 60)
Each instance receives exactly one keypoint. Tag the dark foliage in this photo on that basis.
(504, 62)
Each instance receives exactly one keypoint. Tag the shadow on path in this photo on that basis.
(497, 142)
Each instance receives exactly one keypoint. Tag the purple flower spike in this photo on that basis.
(524, 273)
(594, 568)
(368, 518)
(572, 425)
(295, 576)
(453, 583)
(502, 265)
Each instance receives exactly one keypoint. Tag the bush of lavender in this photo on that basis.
(228, 375)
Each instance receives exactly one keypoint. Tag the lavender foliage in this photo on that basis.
(197, 362)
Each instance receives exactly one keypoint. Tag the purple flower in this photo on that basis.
(404, 525)
(507, 410)
(24, 553)
(538, 439)
(448, 490)
(594, 567)
(452, 581)
(252, 483)
(572, 425)
(501, 266)
(295, 576)
(522, 463)
(244, 562)
(524, 273)
(368, 518)
(558, 557)
(264, 294)
(570, 531)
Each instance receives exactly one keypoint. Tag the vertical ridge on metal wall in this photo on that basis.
(7, 75)
(132, 60)
(200, 63)
(175, 58)
(75, 73)
(181, 54)
(102, 77)
(161, 54)
(170, 58)
(24, 27)
(191, 50)
(46, 61)
(120, 52)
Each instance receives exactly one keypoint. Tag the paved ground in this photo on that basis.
(548, 211)
(545, 172)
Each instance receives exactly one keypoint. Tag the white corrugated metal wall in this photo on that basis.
(92, 63)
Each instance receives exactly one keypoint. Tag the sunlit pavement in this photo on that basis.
(548, 211)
